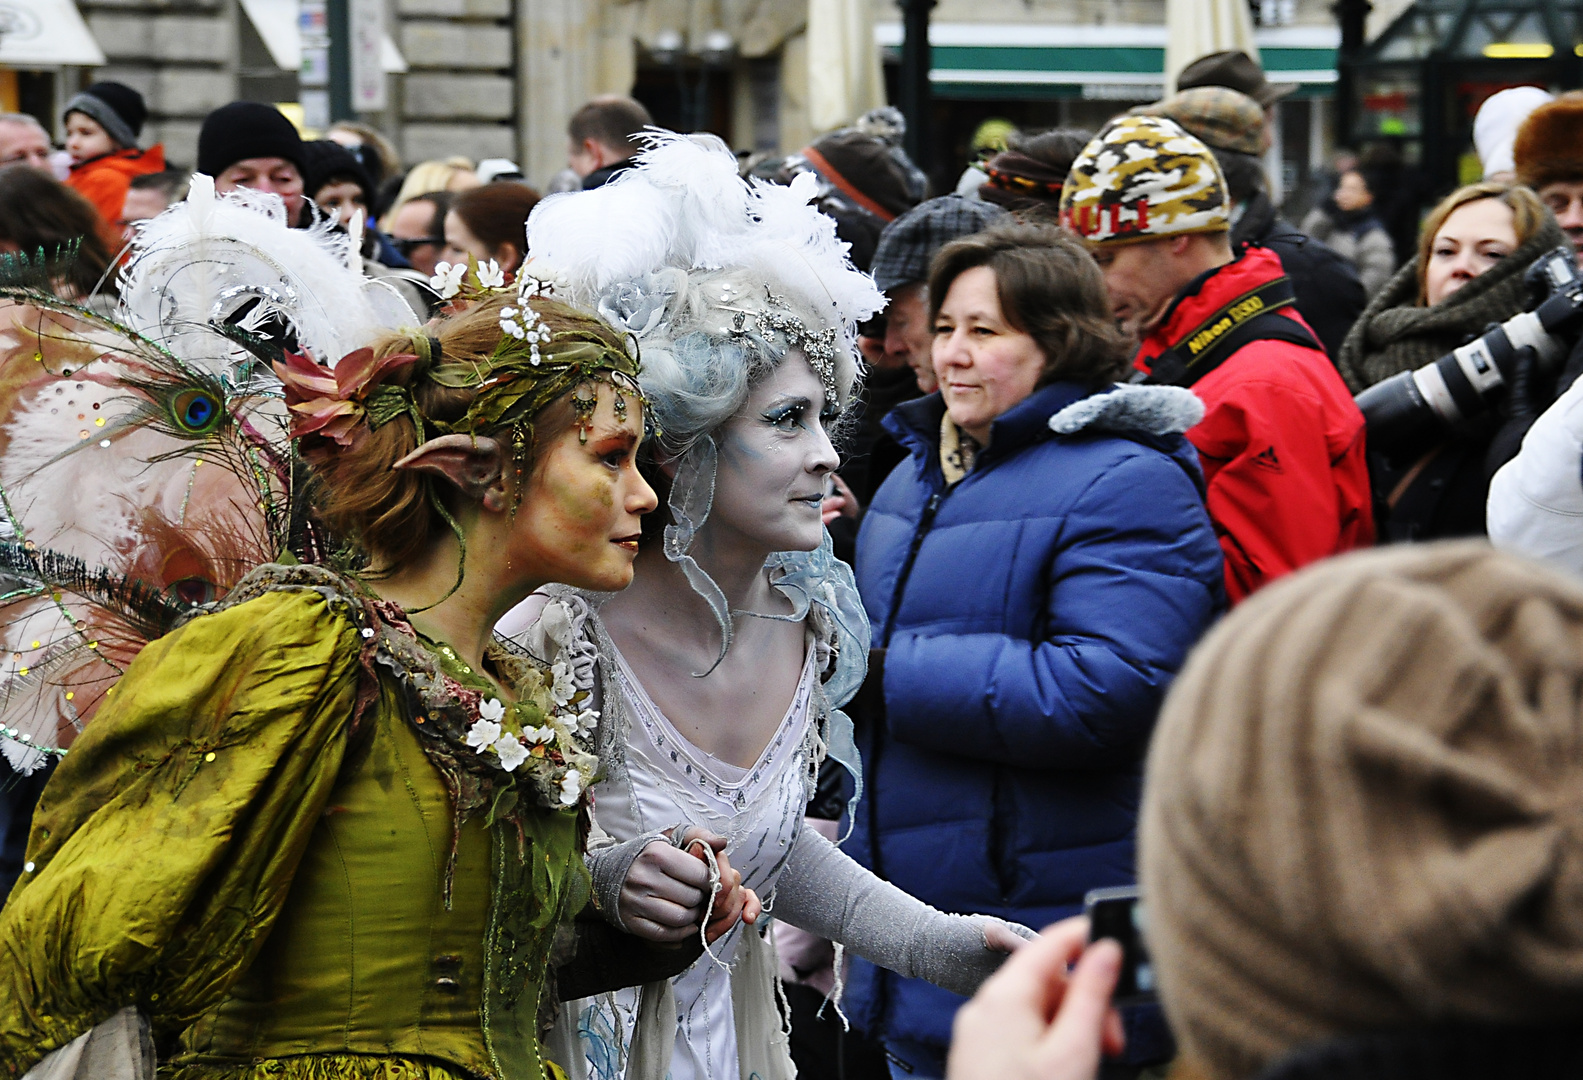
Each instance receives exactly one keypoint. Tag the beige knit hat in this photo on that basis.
(1364, 807)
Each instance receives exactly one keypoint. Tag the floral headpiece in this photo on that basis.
(529, 368)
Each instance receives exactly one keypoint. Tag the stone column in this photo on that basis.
(558, 68)
(458, 94)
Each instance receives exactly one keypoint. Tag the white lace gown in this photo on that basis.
(759, 810)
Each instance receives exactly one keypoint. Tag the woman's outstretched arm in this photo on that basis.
(824, 891)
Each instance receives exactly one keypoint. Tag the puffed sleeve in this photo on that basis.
(163, 847)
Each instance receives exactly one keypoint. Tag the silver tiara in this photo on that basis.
(819, 346)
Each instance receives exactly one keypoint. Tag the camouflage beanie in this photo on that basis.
(1143, 177)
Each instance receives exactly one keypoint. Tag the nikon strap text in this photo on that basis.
(1253, 316)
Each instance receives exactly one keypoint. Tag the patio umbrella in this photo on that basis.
(1195, 28)
(844, 76)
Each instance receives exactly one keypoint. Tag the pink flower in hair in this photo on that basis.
(330, 403)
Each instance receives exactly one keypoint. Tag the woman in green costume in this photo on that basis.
(331, 827)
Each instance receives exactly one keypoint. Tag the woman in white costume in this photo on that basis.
(720, 672)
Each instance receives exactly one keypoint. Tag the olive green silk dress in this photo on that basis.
(222, 850)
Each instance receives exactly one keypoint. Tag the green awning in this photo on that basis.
(1116, 62)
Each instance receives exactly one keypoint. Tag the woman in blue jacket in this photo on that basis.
(1035, 574)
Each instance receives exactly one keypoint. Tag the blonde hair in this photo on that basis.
(1528, 215)
(448, 174)
(370, 136)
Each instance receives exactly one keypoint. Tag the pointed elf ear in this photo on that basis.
(473, 463)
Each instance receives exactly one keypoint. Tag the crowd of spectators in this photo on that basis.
(1359, 846)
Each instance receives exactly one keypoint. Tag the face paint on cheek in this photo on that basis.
(583, 504)
(739, 450)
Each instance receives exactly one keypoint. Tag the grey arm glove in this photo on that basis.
(824, 891)
(609, 866)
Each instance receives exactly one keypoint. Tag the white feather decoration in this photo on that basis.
(205, 258)
(685, 207)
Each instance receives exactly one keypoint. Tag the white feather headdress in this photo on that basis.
(717, 279)
(206, 259)
(685, 208)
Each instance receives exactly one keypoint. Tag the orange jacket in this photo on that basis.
(103, 181)
(1281, 441)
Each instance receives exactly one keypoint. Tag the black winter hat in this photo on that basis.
(117, 108)
(324, 161)
(246, 129)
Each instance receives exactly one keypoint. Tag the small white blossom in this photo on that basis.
(491, 709)
(447, 279)
(511, 752)
(586, 721)
(563, 687)
(529, 285)
(571, 787)
(491, 276)
(538, 736)
(482, 733)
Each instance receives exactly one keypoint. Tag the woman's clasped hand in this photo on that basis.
(1040, 1017)
(665, 893)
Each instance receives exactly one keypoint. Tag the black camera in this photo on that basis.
(1409, 412)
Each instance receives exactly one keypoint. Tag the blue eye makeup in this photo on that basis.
(787, 414)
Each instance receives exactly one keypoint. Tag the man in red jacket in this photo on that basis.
(1281, 441)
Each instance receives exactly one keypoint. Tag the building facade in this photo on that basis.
(500, 78)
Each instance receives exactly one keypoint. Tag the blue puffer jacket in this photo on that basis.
(1033, 615)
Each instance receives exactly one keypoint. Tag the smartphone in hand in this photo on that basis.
(1119, 914)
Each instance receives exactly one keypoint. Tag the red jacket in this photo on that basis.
(104, 181)
(1281, 441)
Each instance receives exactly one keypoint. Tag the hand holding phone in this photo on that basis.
(1119, 914)
(1045, 1015)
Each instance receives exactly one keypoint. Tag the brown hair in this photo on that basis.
(390, 513)
(40, 214)
(1050, 289)
(1528, 215)
(497, 213)
(615, 121)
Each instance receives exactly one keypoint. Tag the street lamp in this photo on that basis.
(667, 48)
(719, 48)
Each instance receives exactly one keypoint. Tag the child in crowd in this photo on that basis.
(102, 127)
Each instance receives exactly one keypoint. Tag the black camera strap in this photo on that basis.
(1253, 316)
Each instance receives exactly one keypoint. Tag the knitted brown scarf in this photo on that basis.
(1395, 334)
(1364, 807)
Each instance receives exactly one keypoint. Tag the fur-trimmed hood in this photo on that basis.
(1132, 410)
